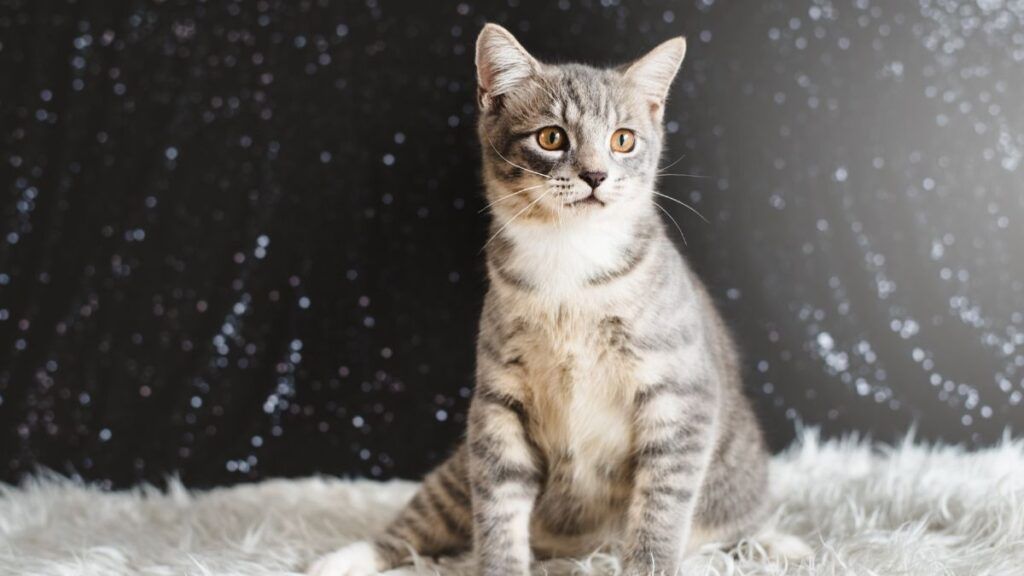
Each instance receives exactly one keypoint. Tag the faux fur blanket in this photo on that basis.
(908, 510)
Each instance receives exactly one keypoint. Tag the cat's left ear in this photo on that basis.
(653, 74)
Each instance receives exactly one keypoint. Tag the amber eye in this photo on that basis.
(623, 140)
(552, 138)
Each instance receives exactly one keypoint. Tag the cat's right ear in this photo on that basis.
(501, 64)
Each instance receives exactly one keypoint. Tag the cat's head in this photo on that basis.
(564, 141)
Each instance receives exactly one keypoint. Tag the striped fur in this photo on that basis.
(608, 406)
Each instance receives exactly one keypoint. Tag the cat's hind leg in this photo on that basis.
(735, 503)
(437, 520)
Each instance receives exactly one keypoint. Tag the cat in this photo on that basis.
(608, 405)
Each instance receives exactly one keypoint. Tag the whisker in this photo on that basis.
(677, 161)
(507, 196)
(683, 204)
(511, 163)
(512, 219)
(686, 175)
(673, 221)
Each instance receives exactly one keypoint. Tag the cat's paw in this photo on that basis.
(783, 545)
(359, 559)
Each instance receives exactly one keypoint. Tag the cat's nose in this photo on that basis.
(593, 178)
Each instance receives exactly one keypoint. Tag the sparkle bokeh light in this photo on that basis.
(241, 239)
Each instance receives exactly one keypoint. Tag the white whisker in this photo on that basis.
(511, 163)
(677, 161)
(683, 204)
(517, 215)
(507, 196)
(698, 176)
(686, 175)
(674, 222)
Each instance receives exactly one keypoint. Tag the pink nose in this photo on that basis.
(593, 178)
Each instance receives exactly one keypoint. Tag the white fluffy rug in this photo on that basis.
(905, 510)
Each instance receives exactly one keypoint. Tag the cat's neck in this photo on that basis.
(557, 259)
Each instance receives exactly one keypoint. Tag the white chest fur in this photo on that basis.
(560, 259)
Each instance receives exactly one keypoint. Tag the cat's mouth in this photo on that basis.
(590, 200)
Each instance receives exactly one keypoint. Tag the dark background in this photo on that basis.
(241, 239)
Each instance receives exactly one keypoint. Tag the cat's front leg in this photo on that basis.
(505, 476)
(675, 420)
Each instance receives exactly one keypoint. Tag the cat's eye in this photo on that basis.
(552, 138)
(623, 140)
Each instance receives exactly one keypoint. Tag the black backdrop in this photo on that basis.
(241, 239)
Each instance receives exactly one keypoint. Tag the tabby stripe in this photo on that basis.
(513, 280)
(657, 531)
(492, 525)
(393, 549)
(491, 396)
(506, 401)
(680, 494)
(488, 349)
(680, 337)
(655, 450)
(535, 161)
(411, 529)
(725, 443)
(518, 326)
(605, 104)
(443, 510)
(419, 504)
(670, 387)
(681, 467)
(505, 473)
(699, 418)
(502, 472)
(634, 256)
(574, 94)
(455, 490)
(484, 450)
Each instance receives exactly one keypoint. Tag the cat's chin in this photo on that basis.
(591, 201)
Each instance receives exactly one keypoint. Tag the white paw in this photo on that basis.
(359, 559)
(782, 545)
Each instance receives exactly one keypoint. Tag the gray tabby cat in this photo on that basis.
(608, 404)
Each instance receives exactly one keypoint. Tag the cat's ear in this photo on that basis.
(653, 74)
(501, 64)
